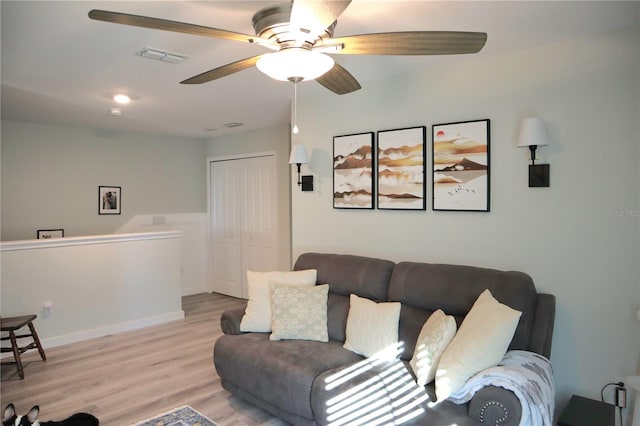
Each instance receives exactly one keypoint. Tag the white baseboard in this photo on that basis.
(188, 291)
(65, 339)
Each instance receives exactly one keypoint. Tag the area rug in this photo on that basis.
(181, 416)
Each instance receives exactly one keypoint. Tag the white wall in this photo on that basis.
(276, 139)
(51, 174)
(98, 285)
(578, 239)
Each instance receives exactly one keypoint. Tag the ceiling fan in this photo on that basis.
(301, 34)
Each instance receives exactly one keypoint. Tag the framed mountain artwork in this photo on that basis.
(401, 169)
(353, 171)
(461, 166)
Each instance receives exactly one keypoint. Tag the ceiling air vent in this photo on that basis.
(232, 125)
(161, 55)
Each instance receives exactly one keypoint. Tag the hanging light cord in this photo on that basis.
(295, 81)
(295, 129)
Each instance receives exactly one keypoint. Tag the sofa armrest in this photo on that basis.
(542, 332)
(501, 392)
(495, 406)
(230, 321)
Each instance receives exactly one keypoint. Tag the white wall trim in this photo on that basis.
(241, 156)
(86, 240)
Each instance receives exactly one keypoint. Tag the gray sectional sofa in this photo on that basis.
(288, 378)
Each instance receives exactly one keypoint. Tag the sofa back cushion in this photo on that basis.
(347, 274)
(422, 288)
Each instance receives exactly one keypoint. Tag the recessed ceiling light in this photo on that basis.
(122, 98)
(115, 111)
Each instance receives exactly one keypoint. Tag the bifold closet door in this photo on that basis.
(243, 221)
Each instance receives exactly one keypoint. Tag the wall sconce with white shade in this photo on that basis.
(533, 135)
(299, 157)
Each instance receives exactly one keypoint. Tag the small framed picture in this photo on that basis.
(109, 200)
(461, 166)
(45, 234)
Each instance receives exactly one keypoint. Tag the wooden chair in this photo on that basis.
(11, 325)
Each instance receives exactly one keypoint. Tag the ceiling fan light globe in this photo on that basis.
(122, 98)
(295, 64)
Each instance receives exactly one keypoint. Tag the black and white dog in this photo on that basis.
(10, 418)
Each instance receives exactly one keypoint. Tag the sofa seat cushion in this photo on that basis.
(378, 391)
(279, 372)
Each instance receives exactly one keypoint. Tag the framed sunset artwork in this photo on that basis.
(401, 168)
(461, 166)
(353, 171)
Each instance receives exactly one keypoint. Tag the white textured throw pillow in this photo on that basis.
(436, 334)
(481, 342)
(372, 328)
(257, 315)
(299, 312)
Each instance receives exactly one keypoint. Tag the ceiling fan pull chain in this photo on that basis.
(295, 129)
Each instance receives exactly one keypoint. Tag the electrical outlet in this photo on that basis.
(621, 397)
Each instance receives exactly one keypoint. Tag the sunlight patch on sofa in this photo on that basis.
(363, 366)
(377, 390)
(354, 394)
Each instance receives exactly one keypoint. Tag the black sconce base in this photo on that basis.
(307, 183)
(539, 175)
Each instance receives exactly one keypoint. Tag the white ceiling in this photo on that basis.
(60, 67)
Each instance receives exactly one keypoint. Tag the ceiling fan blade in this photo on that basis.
(222, 71)
(339, 80)
(316, 15)
(166, 25)
(411, 43)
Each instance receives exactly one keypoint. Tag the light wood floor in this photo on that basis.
(131, 376)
